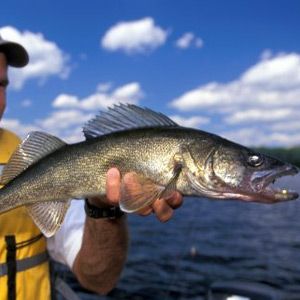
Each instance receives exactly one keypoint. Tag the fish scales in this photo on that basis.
(45, 173)
(79, 170)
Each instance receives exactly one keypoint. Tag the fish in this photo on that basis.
(45, 173)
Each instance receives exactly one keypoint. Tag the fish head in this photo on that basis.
(232, 171)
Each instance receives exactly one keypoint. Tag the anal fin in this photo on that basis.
(48, 216)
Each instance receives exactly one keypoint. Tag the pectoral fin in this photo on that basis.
(138, 192)
(48, 216)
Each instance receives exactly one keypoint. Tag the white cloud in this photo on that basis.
(281, 71)
(18, 127)
(71, 113)
(134, 36)
(128, 93)
(194, 121)
(287, 125)
(259, 115)
(272, 81)
(64, 120)
(26, 103)
(266, 54)
(187, 40)
(66, 124)
(236, 95)
(65, 100)
(46, 58)
(131, 91)
(267, 93)
(257, 136)
(104, 87)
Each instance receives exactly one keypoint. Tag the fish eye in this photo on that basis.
(255, 160)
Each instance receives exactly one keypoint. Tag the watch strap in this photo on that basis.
(110, 212)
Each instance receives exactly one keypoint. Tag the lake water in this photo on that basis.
(209, 240)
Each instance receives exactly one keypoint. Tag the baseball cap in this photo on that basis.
(15, 53)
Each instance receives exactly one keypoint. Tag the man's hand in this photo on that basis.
(109, 239)
(163, 208)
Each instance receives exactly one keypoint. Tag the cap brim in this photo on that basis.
(16, 54)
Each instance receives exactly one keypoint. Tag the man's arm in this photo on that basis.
(103, 253)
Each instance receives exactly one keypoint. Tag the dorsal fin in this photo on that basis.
(123, 117)
(34, 147)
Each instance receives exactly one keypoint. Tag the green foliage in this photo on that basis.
(291, 155)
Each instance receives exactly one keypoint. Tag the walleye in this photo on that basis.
(44, 173)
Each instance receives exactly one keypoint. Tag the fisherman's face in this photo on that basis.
(3, 83)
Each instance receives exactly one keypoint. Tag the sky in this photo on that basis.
(227, 67)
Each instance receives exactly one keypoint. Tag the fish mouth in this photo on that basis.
(265, 191)
(258, 188)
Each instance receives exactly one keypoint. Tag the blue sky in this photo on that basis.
(228, 67)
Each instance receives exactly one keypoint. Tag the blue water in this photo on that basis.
(209, 240)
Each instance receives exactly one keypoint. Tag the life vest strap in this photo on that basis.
(11, 266)
(25, 263)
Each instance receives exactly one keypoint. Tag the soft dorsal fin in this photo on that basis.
(34, 147)
(123, 117)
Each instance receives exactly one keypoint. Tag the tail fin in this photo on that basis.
(47, 215)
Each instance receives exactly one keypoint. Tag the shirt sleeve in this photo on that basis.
(65, 244)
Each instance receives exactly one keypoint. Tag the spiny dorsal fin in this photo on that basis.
(34, 147)
(123, 117)
(48, 216)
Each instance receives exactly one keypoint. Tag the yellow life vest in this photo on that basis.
(33, 281)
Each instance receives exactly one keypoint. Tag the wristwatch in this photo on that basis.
(110, 212)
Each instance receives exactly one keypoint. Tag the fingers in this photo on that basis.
(113, 184)
(163, 208)
(175, 200)
(146, 211)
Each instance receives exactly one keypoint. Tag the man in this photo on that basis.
(93, 246)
